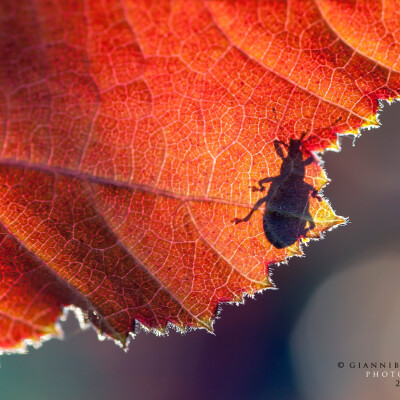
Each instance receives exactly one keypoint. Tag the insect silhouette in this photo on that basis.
(287, 217)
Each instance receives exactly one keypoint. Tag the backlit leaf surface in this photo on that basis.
(131, 132)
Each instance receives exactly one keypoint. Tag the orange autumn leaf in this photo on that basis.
(134, 134)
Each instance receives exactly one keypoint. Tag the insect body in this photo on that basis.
(287, 216)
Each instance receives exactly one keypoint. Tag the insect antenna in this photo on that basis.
(280, 127)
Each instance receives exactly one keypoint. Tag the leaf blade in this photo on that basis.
(128, 127)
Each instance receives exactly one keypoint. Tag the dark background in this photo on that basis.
(339, 303)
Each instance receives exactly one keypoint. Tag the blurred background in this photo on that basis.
(340, 303)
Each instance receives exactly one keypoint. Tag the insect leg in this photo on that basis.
(278, 148)
(248, 216)
(308, 161)
(311, 224)
(314, 193)
(310, 221)
(261, 184)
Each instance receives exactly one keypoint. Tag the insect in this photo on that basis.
(287, 216)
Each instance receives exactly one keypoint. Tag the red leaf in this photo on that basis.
(133, 132)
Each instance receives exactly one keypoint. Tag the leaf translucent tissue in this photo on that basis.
(132, 131)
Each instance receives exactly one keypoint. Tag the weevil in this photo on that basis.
(287, 217)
